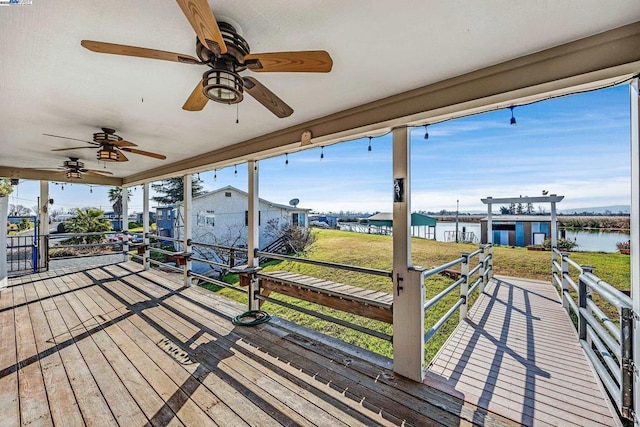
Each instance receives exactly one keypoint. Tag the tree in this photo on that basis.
(512, 209)
(171, 190)
(504, 210)
(519, 209)
(115, 197)
(88, 220)
(18, 210)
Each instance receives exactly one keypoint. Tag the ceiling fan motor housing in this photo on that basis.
(223, 83)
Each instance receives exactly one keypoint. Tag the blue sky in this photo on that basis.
(576, 146)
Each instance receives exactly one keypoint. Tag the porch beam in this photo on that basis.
(145, 225)
(408, 285)
(43, 175)
(186, 221)
(43, 223)
(124, 218)
(634, 96)
(593, 61)
(253, 229)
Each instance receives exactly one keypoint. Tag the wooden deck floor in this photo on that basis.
(519, 356)
(112, 345)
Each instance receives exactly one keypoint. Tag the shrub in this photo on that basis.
(563, 244)
(624, 245)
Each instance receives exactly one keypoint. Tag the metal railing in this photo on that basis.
(608, 343)
(25, 254)
(466, 283)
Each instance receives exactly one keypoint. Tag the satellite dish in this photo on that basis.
(294, 202)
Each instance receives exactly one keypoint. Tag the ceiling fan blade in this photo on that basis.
(196, 100)
(72, 148)
(96, 172)
(140, 52)
(144, 153)
(267, 98)
(122, 157)
(309, 61)
(123, 143)
(201, 18)
(66, 137)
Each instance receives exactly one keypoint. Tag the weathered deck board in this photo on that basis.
(518, 355)
(98, 340)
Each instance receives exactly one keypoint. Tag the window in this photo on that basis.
(246, 218)
(298, 219)
(227, 194)
(206, 218)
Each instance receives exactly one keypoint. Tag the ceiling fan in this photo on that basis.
(74, 168)
(111, 146)
(226, 53)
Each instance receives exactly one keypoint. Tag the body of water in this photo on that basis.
(587, 240)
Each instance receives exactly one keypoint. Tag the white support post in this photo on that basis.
(408, 286)
(43, 224)
(145, 226)
(554, 230)
(253, 231)
(124, 196)
(464, 286)
(635, 238)
(186, 244)
(489, 223)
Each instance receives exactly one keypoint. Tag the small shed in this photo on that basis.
(422, 226)
(518, 230)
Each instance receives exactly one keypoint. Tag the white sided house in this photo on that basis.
(220, 217)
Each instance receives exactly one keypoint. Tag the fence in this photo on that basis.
(466, 284)
(24, 254)
(607, 342)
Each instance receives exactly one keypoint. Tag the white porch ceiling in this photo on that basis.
(50, 84)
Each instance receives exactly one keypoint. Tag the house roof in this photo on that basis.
(523, 218)
(245, 194)
(456, 58)
(386, 219)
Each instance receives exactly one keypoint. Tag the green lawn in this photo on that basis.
(376, 252)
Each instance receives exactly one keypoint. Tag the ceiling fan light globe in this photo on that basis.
(223, 86)
(108, 155)
(72, 174)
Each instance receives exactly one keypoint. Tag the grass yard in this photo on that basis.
(376, 252)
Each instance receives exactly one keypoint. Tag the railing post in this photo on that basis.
(464, 286)
(582, 302)
(626, 362)
(490, 264)
(124, 215)
(483, 268)
(145, 226)
(186, 221)
(565, 281)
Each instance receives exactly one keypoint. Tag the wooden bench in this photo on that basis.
(363, 302)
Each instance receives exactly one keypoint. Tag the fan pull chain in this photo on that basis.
(237, 113)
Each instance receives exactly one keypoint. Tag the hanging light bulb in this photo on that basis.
(513, 119)
(215, 174)
(91, 190)
(321, 152)
(62, 187)
(369, 149)
(426, 131)
(286, 156)
(235, 170)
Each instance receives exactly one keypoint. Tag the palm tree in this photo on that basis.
(115, 197)
(88, 220)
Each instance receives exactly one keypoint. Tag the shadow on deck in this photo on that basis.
(113, 345)
(518, 355)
